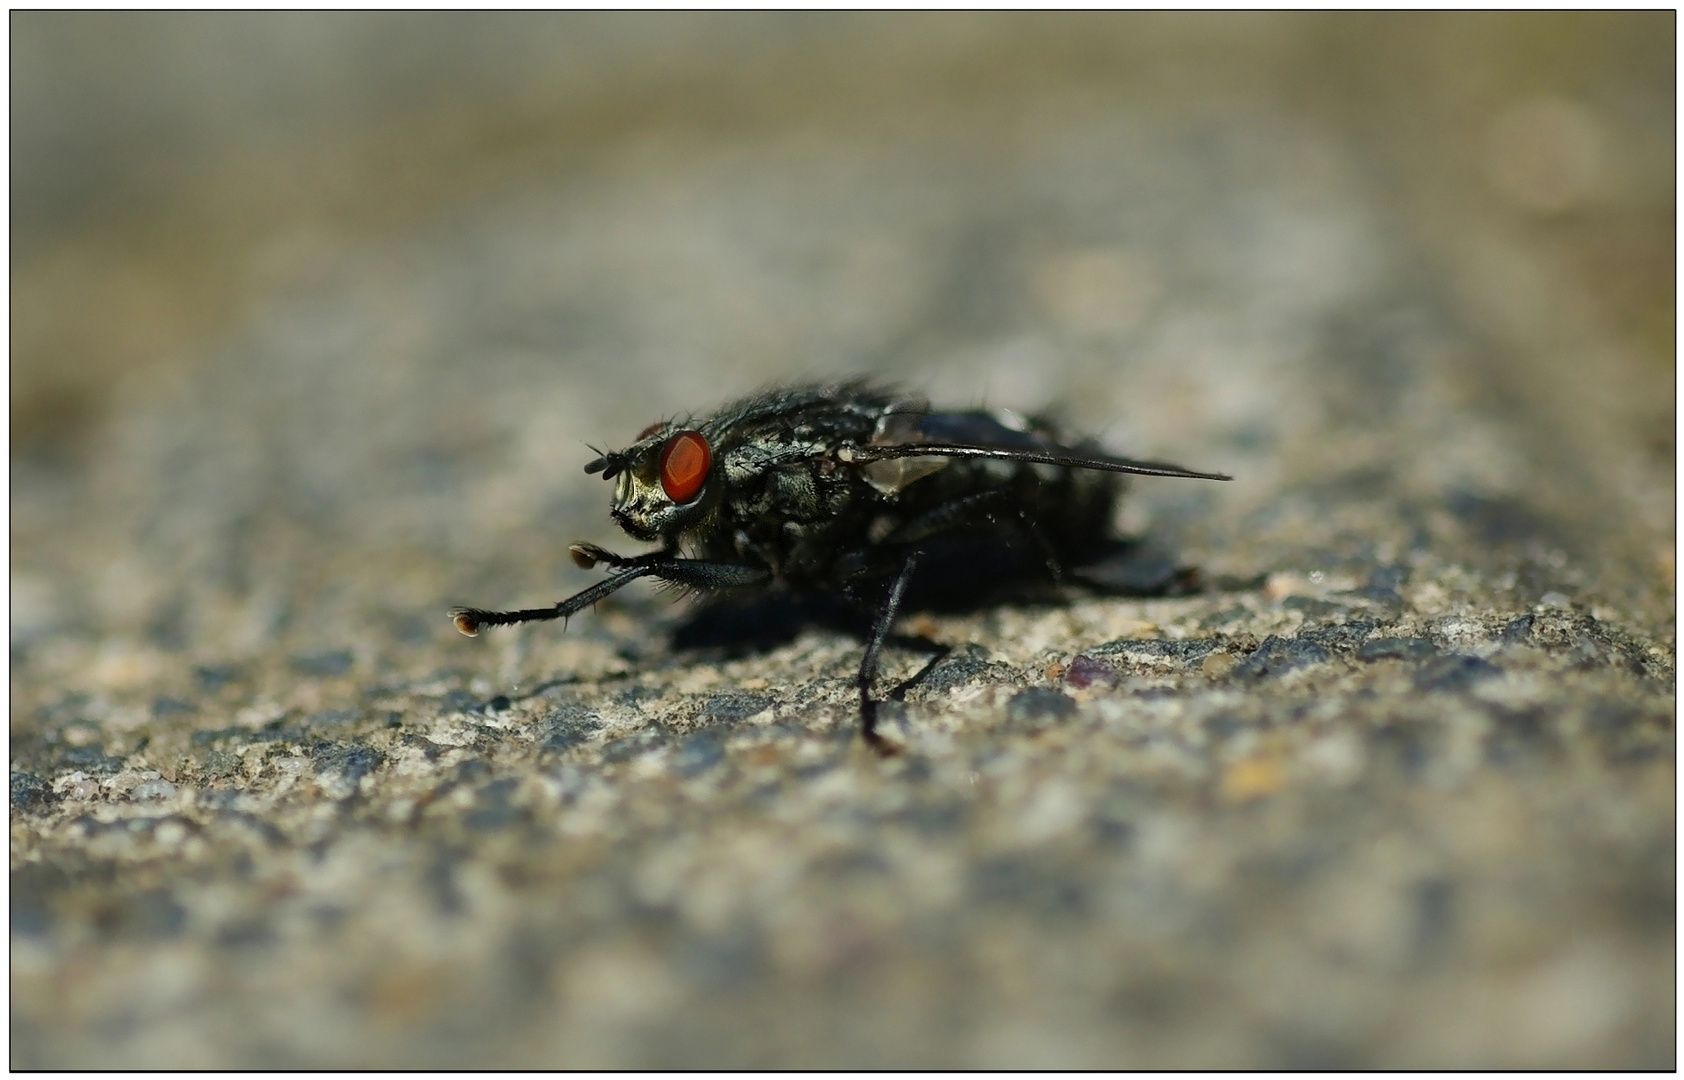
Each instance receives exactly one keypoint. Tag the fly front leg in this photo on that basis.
(664, 565)
(701, 574)
(586, 556)
(688, 573)
(471, 621)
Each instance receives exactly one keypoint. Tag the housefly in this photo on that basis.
(842, 489)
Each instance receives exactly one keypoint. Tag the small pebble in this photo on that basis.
(1217, 665)
(1085, 671)
(153, 789)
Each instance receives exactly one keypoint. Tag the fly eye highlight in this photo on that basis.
(685, 461)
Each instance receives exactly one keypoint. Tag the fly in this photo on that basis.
(842, 489)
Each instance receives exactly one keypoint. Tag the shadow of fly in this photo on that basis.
(843, 489)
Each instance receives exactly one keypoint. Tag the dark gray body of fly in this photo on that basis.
(791, 502)
(842, 488)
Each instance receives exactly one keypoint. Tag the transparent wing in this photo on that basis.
(983, 435)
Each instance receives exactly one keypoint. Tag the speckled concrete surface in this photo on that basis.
(1396, 789)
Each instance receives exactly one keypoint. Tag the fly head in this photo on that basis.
(663, 484)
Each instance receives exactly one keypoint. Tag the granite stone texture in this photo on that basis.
(1392, 784)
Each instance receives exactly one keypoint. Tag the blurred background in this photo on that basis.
(171, 171)
(314, 313)
(645, 213)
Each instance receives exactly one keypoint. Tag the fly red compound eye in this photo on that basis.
(685, 461)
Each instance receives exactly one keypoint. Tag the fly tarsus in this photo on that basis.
(471, 621)
(585, 556)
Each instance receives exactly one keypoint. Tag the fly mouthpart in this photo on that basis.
(632, 527)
